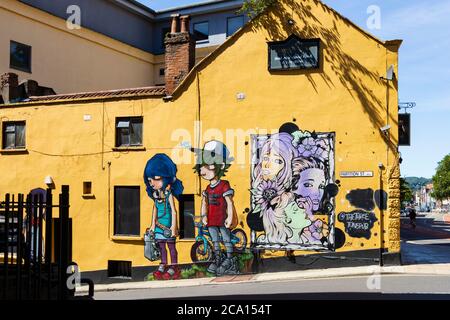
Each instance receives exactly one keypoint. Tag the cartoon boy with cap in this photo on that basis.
(213, 162)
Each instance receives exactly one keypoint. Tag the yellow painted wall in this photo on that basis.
(345, 96)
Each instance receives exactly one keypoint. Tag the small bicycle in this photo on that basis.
(203, 248)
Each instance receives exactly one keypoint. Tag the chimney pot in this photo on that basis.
(184, 23)
(174, 26)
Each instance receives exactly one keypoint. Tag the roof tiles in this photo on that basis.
(121, 93)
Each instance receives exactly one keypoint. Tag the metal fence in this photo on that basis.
(35, 247)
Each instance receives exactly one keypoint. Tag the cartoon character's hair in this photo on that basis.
(160, 165)
(219, 169)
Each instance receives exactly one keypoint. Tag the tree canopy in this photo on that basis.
(441, 180)
(406, 194)
(255, 7)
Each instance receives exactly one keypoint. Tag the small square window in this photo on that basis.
(20, 56)
(234, 24)
(14, 135)
(87, 188)
(129, 132)
(201, 31)
(162, 72)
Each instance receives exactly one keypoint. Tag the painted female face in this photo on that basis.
(311, 185)
(272, 164)
(156, 183)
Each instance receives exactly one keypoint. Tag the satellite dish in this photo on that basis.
(390, 73)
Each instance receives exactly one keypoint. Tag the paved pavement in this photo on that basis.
(426, 270)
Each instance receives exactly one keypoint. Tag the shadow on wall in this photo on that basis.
(349, 71)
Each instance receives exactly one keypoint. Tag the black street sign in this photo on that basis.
(294, 53)
(404, 129)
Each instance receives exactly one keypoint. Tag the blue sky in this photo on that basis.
(424, 71)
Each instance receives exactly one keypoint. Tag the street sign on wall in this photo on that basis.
(356, 174)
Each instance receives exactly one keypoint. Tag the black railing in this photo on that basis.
(32, 266)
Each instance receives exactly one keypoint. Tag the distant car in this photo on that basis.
(404, 213)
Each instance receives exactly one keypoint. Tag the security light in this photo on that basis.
(385, 128)
(389, 73)
(48, 180)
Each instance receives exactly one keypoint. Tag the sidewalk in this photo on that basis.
(423, 269)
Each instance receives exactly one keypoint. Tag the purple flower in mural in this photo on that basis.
(265, 194)
(318, 229)
(307, 148)
(311, 147)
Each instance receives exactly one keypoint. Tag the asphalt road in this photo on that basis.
(374, 287)
(428, 243)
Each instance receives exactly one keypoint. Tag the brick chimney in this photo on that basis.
(9, 87)
(180, 53)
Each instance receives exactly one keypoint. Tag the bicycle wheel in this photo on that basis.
(240, 240)
(199, 253)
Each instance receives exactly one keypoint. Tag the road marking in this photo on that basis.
(430, 241)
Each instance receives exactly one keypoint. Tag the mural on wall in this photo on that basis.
(219, 247)
(218, 213)
(292, 190)
(162, 186)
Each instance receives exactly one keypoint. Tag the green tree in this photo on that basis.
(441, 180)
(255, 7)
(406, 194)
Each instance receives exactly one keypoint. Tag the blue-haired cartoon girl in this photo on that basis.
(162, 186)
